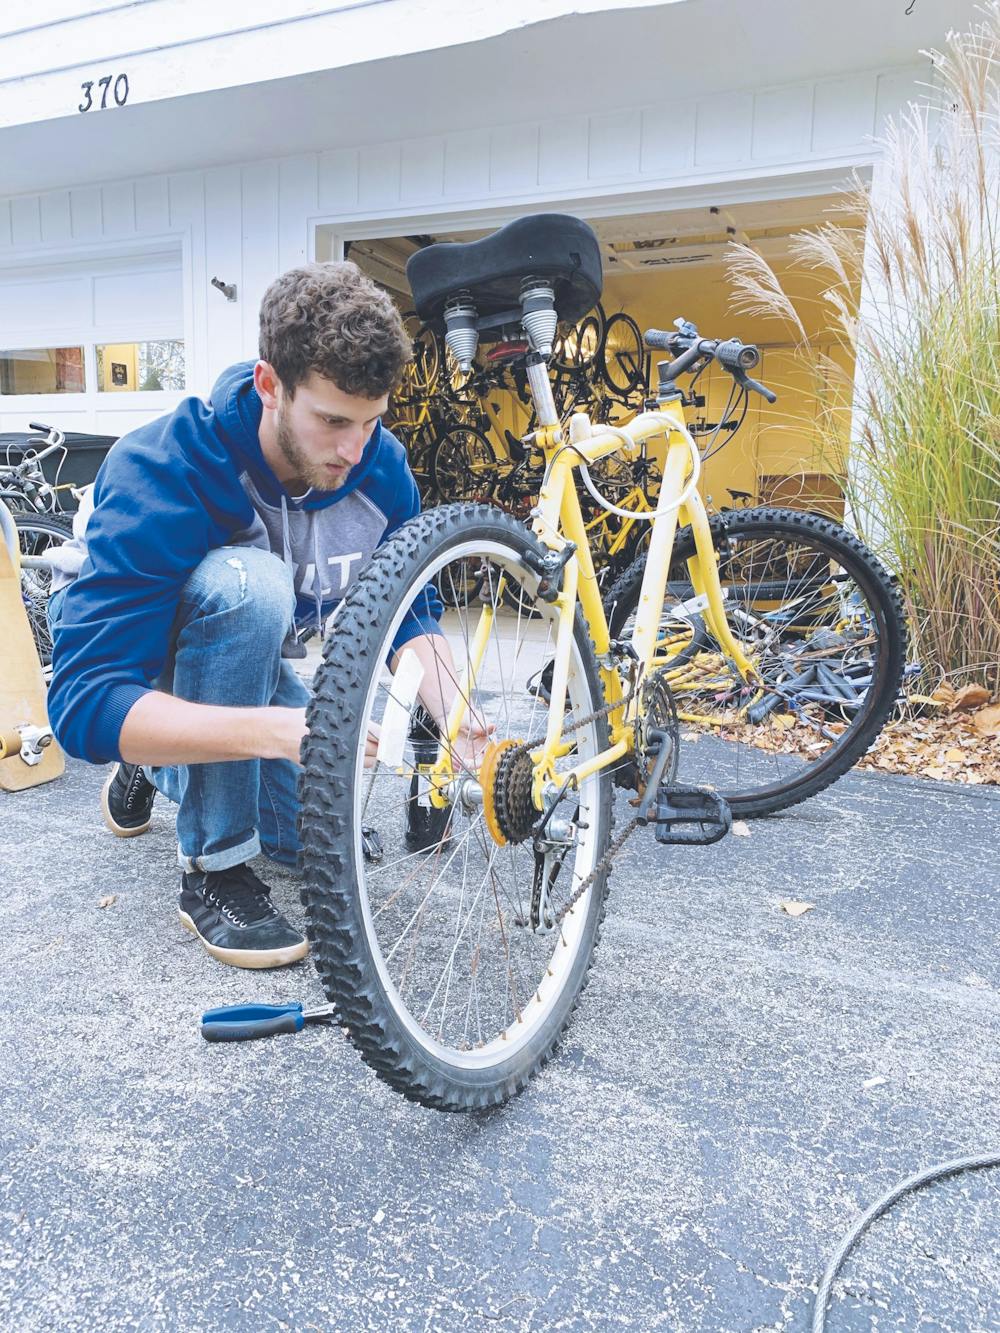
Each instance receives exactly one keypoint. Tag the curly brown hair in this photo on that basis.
(331, 318)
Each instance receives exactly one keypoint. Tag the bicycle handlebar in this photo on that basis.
(54, 439)
(687, 349)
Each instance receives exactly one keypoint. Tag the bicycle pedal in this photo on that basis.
(371, 844)
(691, 816)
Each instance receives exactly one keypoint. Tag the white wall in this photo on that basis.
(171, 48)
(248, 221)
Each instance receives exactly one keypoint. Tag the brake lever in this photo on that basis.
(757, 387)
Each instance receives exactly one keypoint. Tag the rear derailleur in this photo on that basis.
(552, 838)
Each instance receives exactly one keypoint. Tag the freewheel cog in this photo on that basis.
(506, 775)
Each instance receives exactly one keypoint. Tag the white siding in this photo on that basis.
(175, 47)
(244, 223)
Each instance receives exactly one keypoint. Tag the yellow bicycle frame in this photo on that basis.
(557, 519)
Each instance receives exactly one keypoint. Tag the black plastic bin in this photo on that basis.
(84, 455)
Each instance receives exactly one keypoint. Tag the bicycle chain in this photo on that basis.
(607, 860)
(604, 711)
(605, 863)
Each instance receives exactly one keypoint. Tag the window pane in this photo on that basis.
(139, 367)
(42, 370)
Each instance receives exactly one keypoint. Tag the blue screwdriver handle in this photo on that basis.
(244, 1022)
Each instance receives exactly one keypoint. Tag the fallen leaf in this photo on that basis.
(792, 908)
(741, 829)
(987, 720)
(954, 755)
(969, 697)
(944, 694)
(783, 721)
(934, 771)
(108, 900)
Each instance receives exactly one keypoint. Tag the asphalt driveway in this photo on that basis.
(736, 1087)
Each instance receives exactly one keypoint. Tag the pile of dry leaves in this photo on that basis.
(951, 735)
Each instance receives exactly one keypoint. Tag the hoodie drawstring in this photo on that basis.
(317, 590)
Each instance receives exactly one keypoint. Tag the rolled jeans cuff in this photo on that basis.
(223, 860)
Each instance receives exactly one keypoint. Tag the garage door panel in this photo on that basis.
(123, 306)
(30, 306)
(120, 423)
(51, 413)
(136, 300)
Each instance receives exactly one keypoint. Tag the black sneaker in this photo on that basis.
(232, 914)
(127, 801)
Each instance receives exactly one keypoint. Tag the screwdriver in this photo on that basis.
(244, 1022)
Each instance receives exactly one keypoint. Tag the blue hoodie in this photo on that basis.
(166, 495)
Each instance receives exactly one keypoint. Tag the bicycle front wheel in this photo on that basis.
(426, 923)
(821, 623)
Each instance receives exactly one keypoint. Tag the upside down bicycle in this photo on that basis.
(455, 965)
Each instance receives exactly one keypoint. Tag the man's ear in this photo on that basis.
(267, 384)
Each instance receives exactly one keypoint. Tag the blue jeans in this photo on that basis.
(233, 615)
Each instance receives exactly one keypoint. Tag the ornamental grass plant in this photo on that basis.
(913, 296)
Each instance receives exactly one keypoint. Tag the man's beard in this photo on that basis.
(309, 474)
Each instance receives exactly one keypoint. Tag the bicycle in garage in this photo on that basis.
(454, 965)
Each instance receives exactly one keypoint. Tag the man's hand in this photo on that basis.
(290, 724)
(438, 691)
(470, 745)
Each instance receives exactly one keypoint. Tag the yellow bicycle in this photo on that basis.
(457, 821)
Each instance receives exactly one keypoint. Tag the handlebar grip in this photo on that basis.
(735, 355)
(659, 339)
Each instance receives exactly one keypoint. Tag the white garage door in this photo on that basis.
(92, 346)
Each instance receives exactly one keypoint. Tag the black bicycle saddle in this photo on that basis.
(555, 246)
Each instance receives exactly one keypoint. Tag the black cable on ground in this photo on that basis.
(877, 1209)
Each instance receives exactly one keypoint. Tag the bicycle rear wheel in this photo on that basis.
(37, 534)
(623, 357)
(448, 982)
(421, 374)
(820, 621)
(463, 466)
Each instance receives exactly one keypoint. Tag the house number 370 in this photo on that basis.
(99, 100)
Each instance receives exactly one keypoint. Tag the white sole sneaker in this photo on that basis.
(253, 958)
